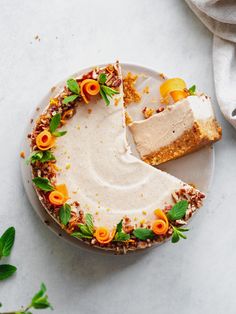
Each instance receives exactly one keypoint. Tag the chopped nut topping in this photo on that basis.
(147, 112)
(128, 118)
(22, 154)
(131, 95)
(160, 109)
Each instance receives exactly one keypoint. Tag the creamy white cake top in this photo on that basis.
(165, 127)
(101, 174)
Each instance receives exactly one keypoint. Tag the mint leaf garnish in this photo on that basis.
(42, 156)
(89, 222)
(106, 92)
(59, 133)
(65, 213)
(43, 184)
(192, 90)
(143, 233)
(178, 211)
(120, 235)
(6, 271)
(104, 96)
(178, 233)
(102, 78)
(85, 230)
(69, 99)
(73, 86)
(80, 235)
(55, 122)
(119, 226)
(7, 241)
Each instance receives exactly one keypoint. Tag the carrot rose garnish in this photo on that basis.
(175, 87)
(89, 87)
(103, 235)
(59, 196)
(161, 225)
(63, 189)
(56, 198)
(45, 140)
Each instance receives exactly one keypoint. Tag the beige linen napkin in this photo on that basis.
(219, 16)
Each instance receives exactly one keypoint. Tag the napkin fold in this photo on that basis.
(219, 16)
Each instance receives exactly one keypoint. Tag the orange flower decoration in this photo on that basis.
(175, 87)
(45, 140)
(103, 235)
(89, 87)
(59, 196)
(161, 225)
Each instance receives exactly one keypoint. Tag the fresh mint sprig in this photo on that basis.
(42, 156)
(178, 233)
(106, 93)
(74, 87)
(87, 229)
(39, 301)
(6, 243)
(54, 124)
(120, 235)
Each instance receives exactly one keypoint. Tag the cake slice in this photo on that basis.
(179, 129)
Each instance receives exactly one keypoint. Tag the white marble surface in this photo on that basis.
(194, 276)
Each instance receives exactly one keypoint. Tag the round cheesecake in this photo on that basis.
(89, 181)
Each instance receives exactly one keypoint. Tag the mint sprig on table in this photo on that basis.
(87, 229)
(39, 301)
(6, 243)
(65, 214)
(54, 124)
(74, 88)
(43, 184)
(120, 235)
(192, 90)
(39, 155)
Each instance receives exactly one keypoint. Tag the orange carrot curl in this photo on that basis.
(89, 87)
(56, 198)
(59, 196)
(103, 235)
(161, 225)
(45, 140)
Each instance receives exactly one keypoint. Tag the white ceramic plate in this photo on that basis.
(196, 168)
